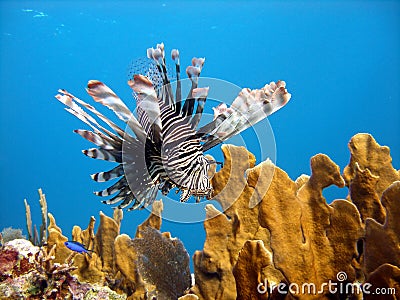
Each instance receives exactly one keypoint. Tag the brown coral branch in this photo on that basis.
(35, 235)
(43, 227)
(118, 215)
(382, 240)
(154, 220)
(70, 259)
(28, 220)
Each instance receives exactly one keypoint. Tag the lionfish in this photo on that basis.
(163, 147)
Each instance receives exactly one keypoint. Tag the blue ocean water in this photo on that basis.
(340, 61)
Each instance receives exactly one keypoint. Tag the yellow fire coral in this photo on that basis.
(278, 233)
(276, 238)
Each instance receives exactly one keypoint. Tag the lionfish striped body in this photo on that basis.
(166, 149)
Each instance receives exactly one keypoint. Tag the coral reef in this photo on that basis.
(252, 260)
(37, 238)
(385, 277)
(115, 261)
(29, 272)
(308, 229)
(163, 262)
(227, 232)
(113, 271)
(276, 238)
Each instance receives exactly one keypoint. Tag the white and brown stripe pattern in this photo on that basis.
(166, 150)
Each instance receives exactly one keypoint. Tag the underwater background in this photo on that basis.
(340, 61)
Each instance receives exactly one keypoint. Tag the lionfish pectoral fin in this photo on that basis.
(249, 107)
(103, 154)
(123, 193)
(75, 109)
(116, 172)
(128, 200)
(165, 187)
(135, 205)
(185, 195)
(105, 96)
(118, 186)
(95, 138)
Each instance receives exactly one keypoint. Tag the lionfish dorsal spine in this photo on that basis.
(200, 95)
(193, 72)
(165, 91)
(178, 91)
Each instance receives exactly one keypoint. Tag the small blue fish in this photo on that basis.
(77, 247)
